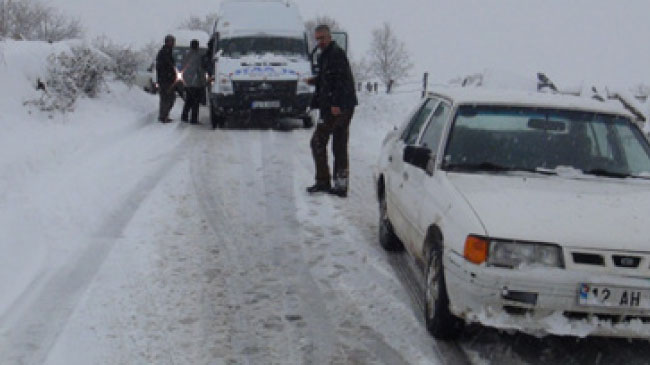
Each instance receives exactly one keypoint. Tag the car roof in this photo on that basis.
(482, 96)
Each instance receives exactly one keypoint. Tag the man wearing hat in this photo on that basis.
(166, 77)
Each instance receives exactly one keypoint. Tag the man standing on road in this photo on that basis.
(336, 98)
(194, 78)
(166, 77)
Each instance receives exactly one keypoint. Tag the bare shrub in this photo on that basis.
(71, 75)
(205, 24)
(32, 20)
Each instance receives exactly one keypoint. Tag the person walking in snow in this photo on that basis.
(166, 77)
(336, 99)
(194, 79)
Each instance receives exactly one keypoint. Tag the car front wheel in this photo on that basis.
(440, 322)
(387, 238)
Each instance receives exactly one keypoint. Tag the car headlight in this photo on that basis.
(512, 254)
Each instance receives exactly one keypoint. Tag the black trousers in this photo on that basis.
(167, 99)
(338, 127)
(192, 100)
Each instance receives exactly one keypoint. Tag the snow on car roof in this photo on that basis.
(464, 95)
(241, 18)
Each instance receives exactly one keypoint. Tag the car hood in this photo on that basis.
(588, 212)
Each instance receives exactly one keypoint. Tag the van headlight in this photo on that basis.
(225, 84)
(303, 87)
(512, 254)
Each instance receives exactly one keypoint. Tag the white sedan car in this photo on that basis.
(525, 211)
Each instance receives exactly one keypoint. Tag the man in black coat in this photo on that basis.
(336, 99)
(166, 77)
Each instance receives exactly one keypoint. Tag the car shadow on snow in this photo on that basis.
(498, 347)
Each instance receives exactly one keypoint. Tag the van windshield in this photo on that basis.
(237, 47)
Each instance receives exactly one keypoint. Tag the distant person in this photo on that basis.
(166, 77)
(389, 87)
(336, 99)
(369, 87)
(376, 87)
(194, 78)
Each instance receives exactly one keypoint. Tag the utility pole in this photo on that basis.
(425, 82)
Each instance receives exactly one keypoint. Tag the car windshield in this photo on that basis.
(495, 138)
(237, 47)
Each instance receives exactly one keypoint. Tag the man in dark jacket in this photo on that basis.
(336, 99)
(194, 79)
(166, 77)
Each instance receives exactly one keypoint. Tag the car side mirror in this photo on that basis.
(417, 156)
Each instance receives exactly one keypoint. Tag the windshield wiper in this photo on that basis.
(608, 173)
(486, 166)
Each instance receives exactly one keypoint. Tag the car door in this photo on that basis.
(395, 179)
(418, 182)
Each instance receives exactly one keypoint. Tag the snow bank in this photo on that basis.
(41, 158)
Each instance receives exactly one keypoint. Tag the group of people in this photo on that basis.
(192, 75)
(335, 98)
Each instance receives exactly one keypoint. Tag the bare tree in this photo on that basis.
(196, 23)
(389, 60)
(361, 69)
(32, 20)
(311, 24)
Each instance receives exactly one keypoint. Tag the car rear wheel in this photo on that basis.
(387, 238)
(307, 122)
(440, 322)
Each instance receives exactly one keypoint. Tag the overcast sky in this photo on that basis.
(601, 40)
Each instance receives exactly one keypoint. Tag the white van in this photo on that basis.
(261, 62)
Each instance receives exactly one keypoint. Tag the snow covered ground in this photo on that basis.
(124, 241)
(128, 241)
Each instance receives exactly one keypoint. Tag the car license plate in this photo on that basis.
(272, 104)
(613, 296)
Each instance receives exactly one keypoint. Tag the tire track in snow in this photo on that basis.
(361, 208)
(210, 163)
(302, 295)
(34, 321)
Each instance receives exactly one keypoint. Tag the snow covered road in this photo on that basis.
(175, 244)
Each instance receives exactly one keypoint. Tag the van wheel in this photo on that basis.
(216, 119)
(440, 322)
(387, 238)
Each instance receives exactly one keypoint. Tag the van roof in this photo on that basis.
(240, 18)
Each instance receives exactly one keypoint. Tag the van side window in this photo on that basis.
(412, 131)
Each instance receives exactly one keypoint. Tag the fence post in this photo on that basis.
(425, 82)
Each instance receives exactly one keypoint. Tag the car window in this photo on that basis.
(431, 135)
(412, 130)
